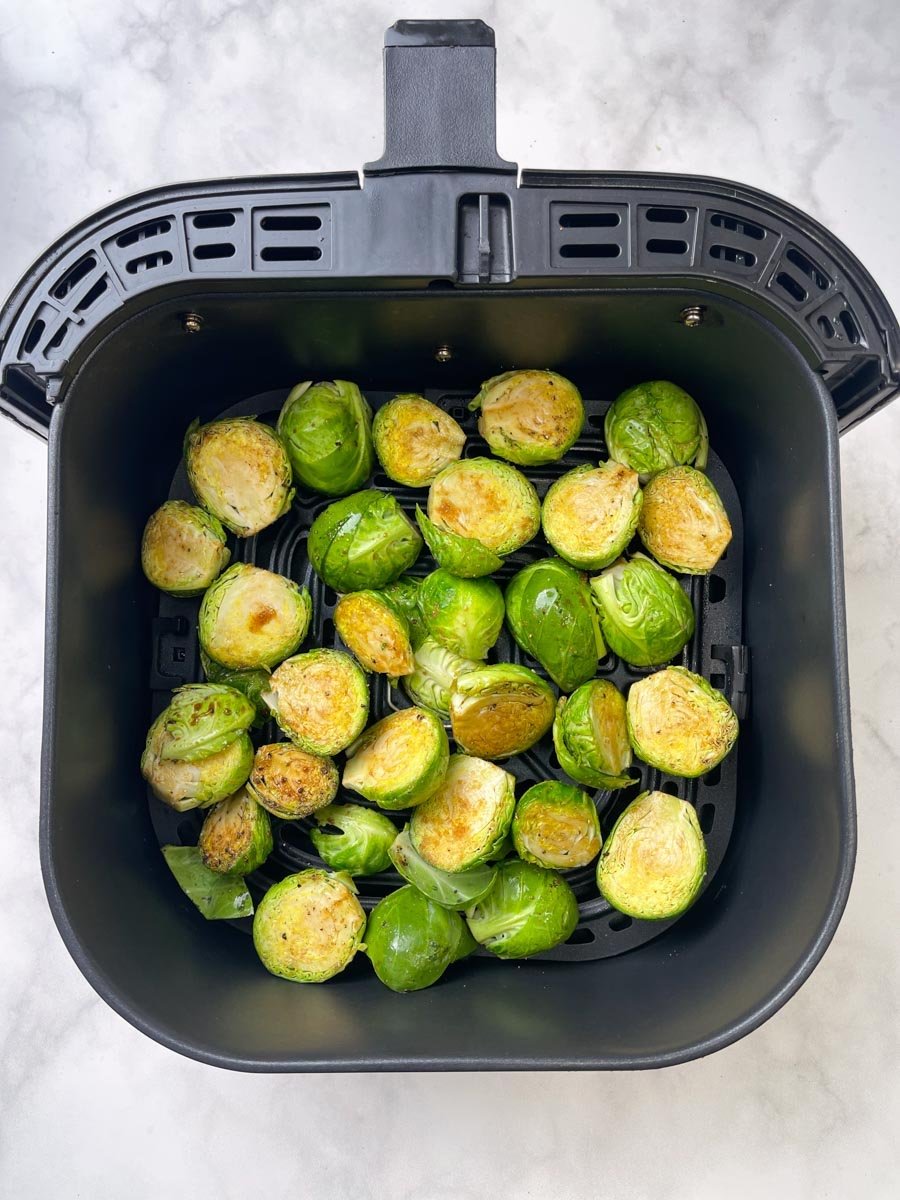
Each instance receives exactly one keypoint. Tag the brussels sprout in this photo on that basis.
(414, 439)
(683, 523)
(251, 683)
(590, 514)
(529, 417)
(654, 860)
(527, 911)
(550, 614)
(320, 700)
(590, 735)
(185, 785)
(376, 631)
(556, 825)
(309, 926)
(218, 897)
(350, 838)
(183, 549)
(363, 541)
(404, 593)
(291, 783)
(644, 613)
(411, 941)
(656, 425)
(465, 615)
(679, 723)
(236, 836)
(463, 556)
(202, 719)
(400, 761)
(486, 500)
(239, 471)
(327, 428)
(252, 618)
(500, 710)
(436, 669)
(464, 823)
(457, 889)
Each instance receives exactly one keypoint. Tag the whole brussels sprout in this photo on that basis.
(436, 670)
(414, 439)
(457, 890)
(528, 910)
(376, 631)
(309, 926)
(185, 785)
(217, 897)
(463, 556)
(252, 682)
(644, 613)
(656, 425)
(320, 700)
(590, 514)
(202, 719)
(404, 593)
(497, 711)
(252, 618)
(465, 615)
(556, 825)
(590, 735)
(683, 523)
(363, 541)
(350, 838)
(291, 783)
(183, 549)
(679, 723)
(239, 471)
(551, 616)
(529, 417)
(467, 819)
(327, 428)
(486, 500)
(400, 761)
(236, 837)
(654, 860)
(411, 941)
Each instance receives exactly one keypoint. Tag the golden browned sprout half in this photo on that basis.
(487, 500)
(679, 723)
(414, 439)
(290, 782)
(590, 514)
(683, 522)
(376, 631)
(320, 700)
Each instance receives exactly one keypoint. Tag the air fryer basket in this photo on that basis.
(442, 269)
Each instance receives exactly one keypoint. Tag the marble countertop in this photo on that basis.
(102, 98)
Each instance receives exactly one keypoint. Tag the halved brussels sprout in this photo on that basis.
(327, 428)
(376, 631)
(239, 471)
(679, 723)
(251, 682)
(414, 439)
(683, 523)
(350, 838)
(497, 711)
(236, 837)
(363, 541)
(436, 670)
(457, 890)
(183, 549)
(400, 761)
(253, 618)
(656, 425)
(309, 926)
(528, 910)
(556, 825)
(467, 819)
(590, 735)
(486, 500)
(529, 417)
(320, 700)
(644, 613)
(291, 783)
(654, 860)
(465, 615)
(404, 592)
(590, 514)
(550, 614)
(411, 941)
(186, 785)
(463, 556)
(218, 897)
(202, 719)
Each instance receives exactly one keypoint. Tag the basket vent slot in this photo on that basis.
(74, 276)
(590, 250)
(619, 923)
(140, 233)
(666, 216)
(666, 235)
(213, 220)
(583, 236)
(290, 253)
(590, 220)
(667, 246)
(214, 250)
(299, 234)
(706, 815)
(210, 248)
(731, 254)
(796, 277)
(92, 295)
(34, 335)
(58, 338)
(152, 248)
(836, 323)
(291, 223)
(739, 225)
(815, 274)
(149, 262)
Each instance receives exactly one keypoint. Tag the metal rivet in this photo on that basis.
(692, 316)
(191, 322)
(443, 354)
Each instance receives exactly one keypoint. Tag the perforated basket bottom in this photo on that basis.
(712, 652)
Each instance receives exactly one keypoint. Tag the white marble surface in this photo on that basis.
(103, 97)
